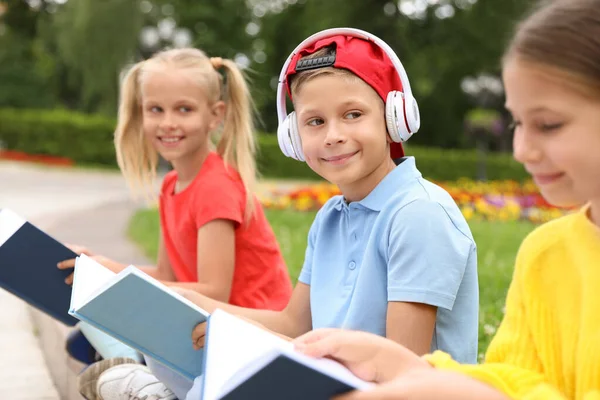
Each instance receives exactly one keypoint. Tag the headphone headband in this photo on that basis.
(281, 86)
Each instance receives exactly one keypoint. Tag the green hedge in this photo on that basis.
(88, 139)
(434, 163)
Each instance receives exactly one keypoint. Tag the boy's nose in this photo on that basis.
(334, 136)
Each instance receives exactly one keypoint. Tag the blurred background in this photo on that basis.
(60, 61)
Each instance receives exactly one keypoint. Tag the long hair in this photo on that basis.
(236, 144)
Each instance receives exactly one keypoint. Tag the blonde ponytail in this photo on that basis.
(237, 145)
(135, 155)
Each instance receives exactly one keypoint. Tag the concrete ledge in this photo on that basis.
(63, 369)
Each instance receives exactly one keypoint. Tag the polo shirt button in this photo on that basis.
(354, 236)
(352, 265)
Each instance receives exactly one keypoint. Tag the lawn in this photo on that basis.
(497, 244)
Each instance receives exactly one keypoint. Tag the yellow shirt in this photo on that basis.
(548, 344)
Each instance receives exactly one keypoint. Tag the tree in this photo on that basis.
(95, 39)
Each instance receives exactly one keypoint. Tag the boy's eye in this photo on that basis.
(353, 115)
(184, 109)
(315, 122)
(155, 109)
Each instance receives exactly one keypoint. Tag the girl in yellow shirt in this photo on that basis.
(548, 345)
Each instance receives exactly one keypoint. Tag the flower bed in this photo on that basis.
(492, 201)
(12, 155)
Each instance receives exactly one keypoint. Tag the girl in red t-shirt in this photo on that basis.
(215, 238)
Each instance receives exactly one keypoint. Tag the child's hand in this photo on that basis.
(370, 357)
(199, 336)
(70, 263)
(199, 332)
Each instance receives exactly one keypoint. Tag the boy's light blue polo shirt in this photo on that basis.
(406, 241)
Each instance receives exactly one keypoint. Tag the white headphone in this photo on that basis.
(398, 105)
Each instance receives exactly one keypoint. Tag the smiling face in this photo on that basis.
(342, 127)
(177, 115)
(557, 133)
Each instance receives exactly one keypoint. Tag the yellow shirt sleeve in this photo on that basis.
(511, 365)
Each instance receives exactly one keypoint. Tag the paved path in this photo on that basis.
(46, 197)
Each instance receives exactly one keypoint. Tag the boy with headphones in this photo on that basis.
(393, 254)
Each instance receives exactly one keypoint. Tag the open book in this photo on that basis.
(28, 258)
(139, 311)
(243, 361)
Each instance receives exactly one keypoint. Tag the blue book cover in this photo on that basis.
(274, 380)
(28, 258)
(139, 311)
(244, 361)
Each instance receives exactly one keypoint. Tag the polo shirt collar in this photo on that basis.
(404, 173)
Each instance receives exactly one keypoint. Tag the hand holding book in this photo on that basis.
(79, 250)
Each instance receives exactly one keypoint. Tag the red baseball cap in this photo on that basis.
(364, 59)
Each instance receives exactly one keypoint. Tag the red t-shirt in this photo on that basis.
(260, 278)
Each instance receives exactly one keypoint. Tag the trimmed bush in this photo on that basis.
(85, 139)
(434, 163)
(88, 139)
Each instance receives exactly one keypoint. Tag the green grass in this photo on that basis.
(497, 245)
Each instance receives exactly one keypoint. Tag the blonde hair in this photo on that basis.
(303, 77)
(137, 158)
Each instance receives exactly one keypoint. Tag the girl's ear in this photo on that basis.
(218, 113)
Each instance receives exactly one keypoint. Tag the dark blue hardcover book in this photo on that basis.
(244, 361)
(286, 378)
(28, 258)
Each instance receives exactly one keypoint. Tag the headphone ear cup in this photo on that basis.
(295, 138)
(413, 116)
(394, 117)
(283, 138)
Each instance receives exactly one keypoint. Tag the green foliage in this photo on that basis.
(88, 139)
(434, 163)
(482, 118)
(83, 138)
(22, 82)
(96, 39)
(80, 46)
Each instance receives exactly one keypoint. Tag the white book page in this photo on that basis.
(90, 278)
(10, 222)
(233, 345)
